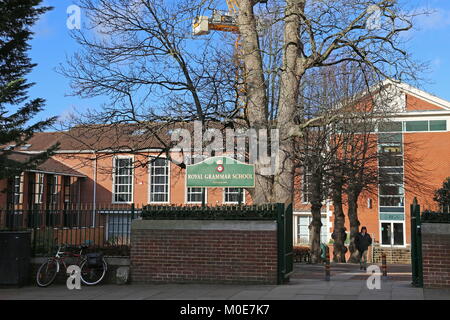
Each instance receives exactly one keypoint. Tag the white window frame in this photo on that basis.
(186, 188)
(298, 215)
(150, 183)
(305, 185)
(233, 202)
(392, 239)
(195, 202)
(114, 180)
(20, 179)
(54, 190)
(38, 188)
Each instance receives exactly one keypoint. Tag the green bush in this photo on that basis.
(435, 217)
(256, 212)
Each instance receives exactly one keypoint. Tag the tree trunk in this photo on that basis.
(256, 99)
(314, 232)
(281, 188)
(316, 213)
(339, 223)
(354, 223)
(290, 78)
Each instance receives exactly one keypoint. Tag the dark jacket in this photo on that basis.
(362, 242)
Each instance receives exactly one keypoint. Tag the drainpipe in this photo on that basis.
(94, 196)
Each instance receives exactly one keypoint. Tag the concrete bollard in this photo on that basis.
(122, 275)
(327, 268)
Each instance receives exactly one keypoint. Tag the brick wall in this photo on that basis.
(203, 252)
(393, 256)
(436, 255)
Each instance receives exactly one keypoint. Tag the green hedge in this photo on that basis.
(256, 212)
(435, 217)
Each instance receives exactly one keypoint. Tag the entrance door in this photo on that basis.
(392, 234)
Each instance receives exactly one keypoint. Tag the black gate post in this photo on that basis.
(285, 242)
(281, 242)
(416, 246)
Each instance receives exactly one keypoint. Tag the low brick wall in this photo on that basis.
(393, 255)
(203, 251)
(436, 255)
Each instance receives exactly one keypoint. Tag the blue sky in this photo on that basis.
(430, 42)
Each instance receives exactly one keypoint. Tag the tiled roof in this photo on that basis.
(109, 137)
(50, 166)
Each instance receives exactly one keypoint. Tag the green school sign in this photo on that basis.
(222, 172)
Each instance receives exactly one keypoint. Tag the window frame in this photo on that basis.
(16, 190)
(233, 202)
(113, 191)
(325, 227)
(392, 222)
(305, 173)
(186, 200)
(38, 188)
(53, 189)
(150, 183)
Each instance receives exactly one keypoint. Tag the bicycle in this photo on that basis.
(93, 266)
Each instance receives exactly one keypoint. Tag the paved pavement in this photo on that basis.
(307, 283)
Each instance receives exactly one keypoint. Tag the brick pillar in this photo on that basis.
(436, 255)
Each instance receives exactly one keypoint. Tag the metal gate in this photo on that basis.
(416, 245)
(285, 243)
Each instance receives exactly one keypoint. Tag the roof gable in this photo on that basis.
(422, 100)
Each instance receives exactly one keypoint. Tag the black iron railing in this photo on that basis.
(105, 227)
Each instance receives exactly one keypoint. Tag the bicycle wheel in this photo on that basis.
(93, 275)
(46, 273)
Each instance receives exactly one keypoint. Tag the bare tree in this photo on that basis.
(146, 61)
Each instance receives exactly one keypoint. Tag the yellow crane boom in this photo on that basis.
(226, 22)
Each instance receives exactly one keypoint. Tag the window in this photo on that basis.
(390, 190)
(426, 125)
(391, 179)
(391, 201)
(416, 126)
(17, 189)
(53, 188)
(391, 155)
(159, 181)
(38, 188)
(123, 180)
(438, 125)
(390, 138)
(67, 189)
(303, 233)
(306, 185)
(390, 127)
(195, 195)
(392, 234)
(119, 229)
(232, 195)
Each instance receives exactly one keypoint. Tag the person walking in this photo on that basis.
(362, 242)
